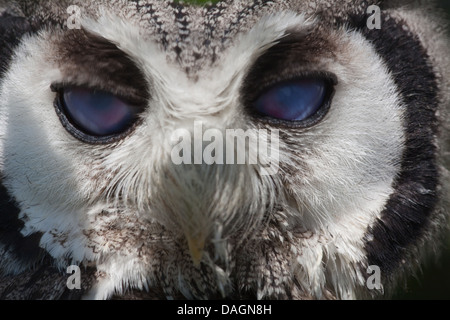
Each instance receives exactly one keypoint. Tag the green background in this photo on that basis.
(433, 282)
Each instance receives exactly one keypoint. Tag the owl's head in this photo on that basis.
(267, 149)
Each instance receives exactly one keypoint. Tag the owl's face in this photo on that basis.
(353, 118)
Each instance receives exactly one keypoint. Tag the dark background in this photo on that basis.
(445, 4)
(434, 280)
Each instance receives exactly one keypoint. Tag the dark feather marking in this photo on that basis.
(181, 19)
(12, 29)
(407, 212)
(25, 249)
(82, 54)
(44, 283)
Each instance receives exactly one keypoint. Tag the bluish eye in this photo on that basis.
(294, 100)
(96, 113)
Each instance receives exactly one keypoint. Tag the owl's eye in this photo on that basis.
(296, 100)
(93, 115)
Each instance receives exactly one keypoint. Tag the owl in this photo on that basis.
(241, 149)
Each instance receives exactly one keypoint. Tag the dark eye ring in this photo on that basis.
(297, 102)
(94, 116)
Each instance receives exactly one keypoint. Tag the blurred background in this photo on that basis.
(434, 280)
(445, 4)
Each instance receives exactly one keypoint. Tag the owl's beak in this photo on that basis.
(196, 247)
